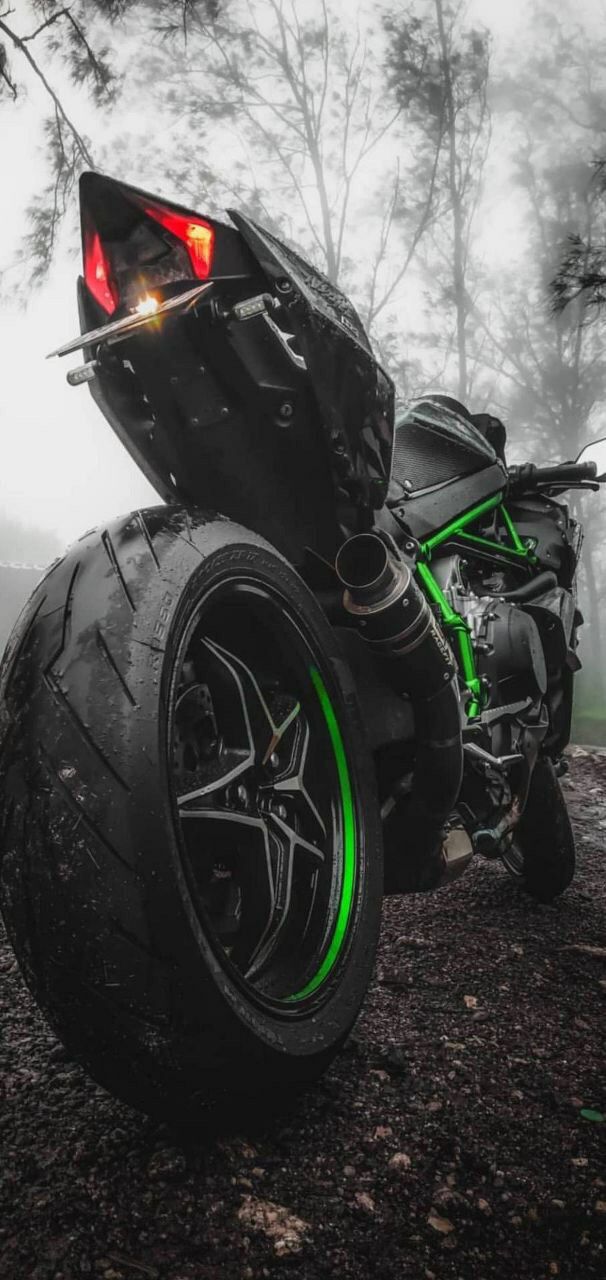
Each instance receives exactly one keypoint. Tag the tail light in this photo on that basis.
(97, 271)
(133, 242)
(197, 236)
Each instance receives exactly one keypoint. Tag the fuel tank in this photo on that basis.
(442, 465)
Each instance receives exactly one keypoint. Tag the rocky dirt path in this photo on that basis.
(459, 1134)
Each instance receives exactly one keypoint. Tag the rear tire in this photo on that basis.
(544, 837)
(114, 935)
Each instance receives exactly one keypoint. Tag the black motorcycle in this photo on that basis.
(336, 663)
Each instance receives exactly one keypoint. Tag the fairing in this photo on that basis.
(443, 466)
(435, 444)
(290, 436)
(355, 395)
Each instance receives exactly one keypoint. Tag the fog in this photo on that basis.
(542, 70)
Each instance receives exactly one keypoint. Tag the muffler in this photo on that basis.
(397, 623)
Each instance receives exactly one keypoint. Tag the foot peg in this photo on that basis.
(457, 852)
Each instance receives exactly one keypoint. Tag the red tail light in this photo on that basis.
(96, 271)
(197, 236)
(134, 242)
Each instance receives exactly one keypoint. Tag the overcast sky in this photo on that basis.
(61, 466)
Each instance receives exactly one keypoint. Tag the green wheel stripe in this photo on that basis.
(349, 841)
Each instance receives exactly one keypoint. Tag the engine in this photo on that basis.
(509, 652)
(513, 663)
(507, 640)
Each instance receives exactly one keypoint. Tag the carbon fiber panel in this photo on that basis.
(434, 445)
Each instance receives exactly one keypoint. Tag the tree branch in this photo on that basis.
(21, 46)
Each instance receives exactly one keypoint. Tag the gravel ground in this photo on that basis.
(461, 1133)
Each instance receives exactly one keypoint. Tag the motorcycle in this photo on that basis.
(336, 663)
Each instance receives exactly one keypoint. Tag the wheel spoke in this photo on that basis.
(296, 840)
(256, 872)
(264, 728)
(290, 841)
(219, 773)
(268, 942)
(225, 815)
(251, 729)
(293, 781)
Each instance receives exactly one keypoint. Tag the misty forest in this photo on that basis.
(302, 948)
(442, 163)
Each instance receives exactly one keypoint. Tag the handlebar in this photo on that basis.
(528, 477)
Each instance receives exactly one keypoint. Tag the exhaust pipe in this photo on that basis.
(393, 615)
(395, 620)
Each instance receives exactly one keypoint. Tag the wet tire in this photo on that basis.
(544, 838)
(97, 889)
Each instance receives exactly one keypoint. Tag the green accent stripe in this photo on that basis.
(349, 841)
(455, 623)
(487, 544)
(461, 522)
(450, 619)
(458, 529)
(513, 533)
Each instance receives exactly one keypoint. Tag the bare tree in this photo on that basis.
(440, 73)
(551, 363)
(250, 103)
(57, 43)
(316, 140)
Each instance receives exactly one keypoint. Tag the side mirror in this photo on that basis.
(595, 452)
